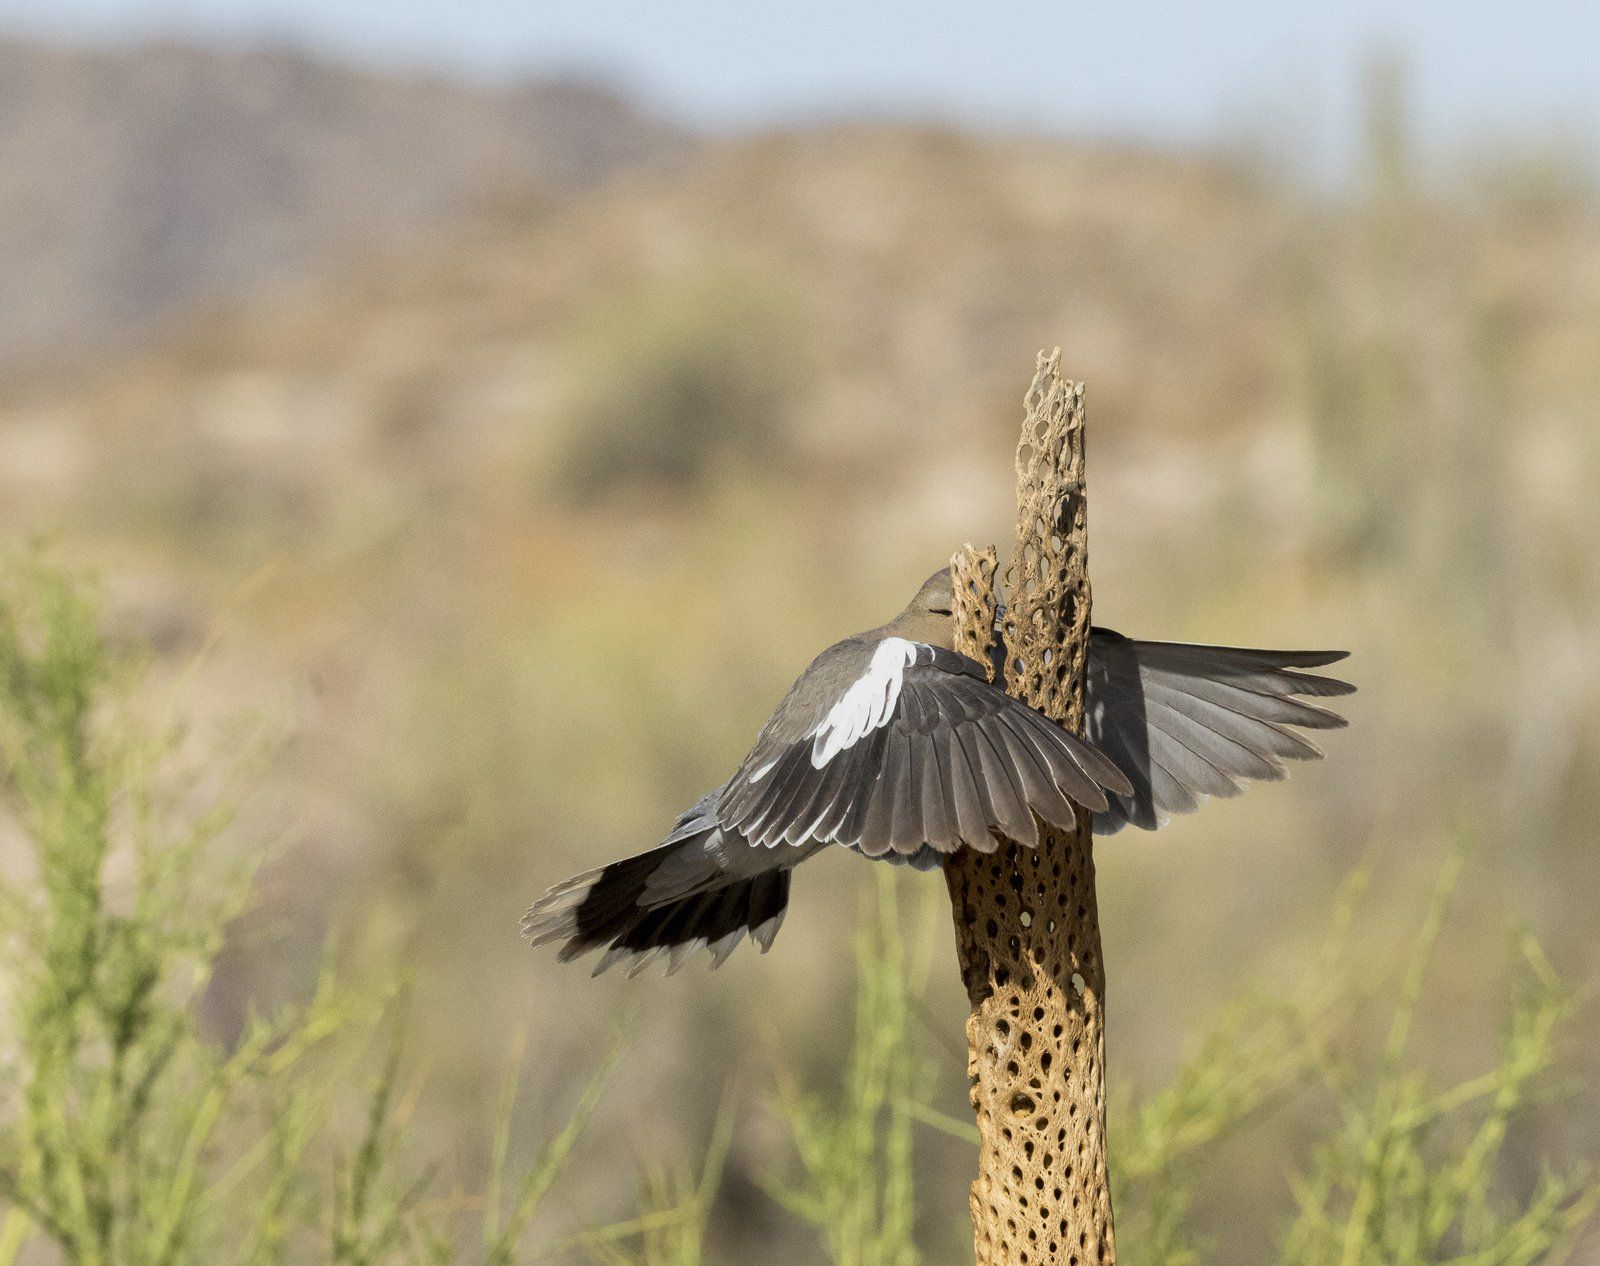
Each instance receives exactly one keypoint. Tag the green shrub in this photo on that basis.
(129, 1136)
(856, 1174)
(1414, 1172)
(1409, 1172)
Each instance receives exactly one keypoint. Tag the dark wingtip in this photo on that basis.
(1279, 658)
(631, 936)
(1322, 687)
(1311, 659)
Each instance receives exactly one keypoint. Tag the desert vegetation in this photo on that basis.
(377, 602)
(131, 1132)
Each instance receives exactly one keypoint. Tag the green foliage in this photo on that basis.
(506, 1228)
(129, 1136)
(1412, 1173)
(1162, 1145)
(671, 380)
(1259, 1052)
(111, 1103)
(856, 1173)
(1408, 1172)
(675, 1209)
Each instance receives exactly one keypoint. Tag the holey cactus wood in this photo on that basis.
(1027, 930)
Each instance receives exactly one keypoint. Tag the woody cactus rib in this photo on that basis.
(1027, 928)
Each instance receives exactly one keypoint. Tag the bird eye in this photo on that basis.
(939, 610)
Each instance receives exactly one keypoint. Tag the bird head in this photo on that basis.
(927, 618)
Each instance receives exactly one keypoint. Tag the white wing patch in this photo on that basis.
(868, 703)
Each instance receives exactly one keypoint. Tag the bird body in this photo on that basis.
(894, 745)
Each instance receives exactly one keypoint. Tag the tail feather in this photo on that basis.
(614, 909)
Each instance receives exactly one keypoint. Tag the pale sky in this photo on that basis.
(1163, 70)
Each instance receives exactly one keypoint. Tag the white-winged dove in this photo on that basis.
(895, 746)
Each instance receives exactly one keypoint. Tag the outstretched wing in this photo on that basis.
(1184, 722)
(909, 747)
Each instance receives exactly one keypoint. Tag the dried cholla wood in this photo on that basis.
(1027, 929)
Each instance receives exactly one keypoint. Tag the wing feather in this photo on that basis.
(876, 837)
(1044, 796)
(936, 824)
(897, 748)
(1185, 722)
(1003, 784)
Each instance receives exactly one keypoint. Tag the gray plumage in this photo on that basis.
(1185, 722)
(942, 769)
(893, 745)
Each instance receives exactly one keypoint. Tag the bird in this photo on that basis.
(897, 747)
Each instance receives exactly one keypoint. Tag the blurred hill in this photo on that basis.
(888, 276)
(143, 180)
(825, 302)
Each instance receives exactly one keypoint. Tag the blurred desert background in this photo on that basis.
(495, 452)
